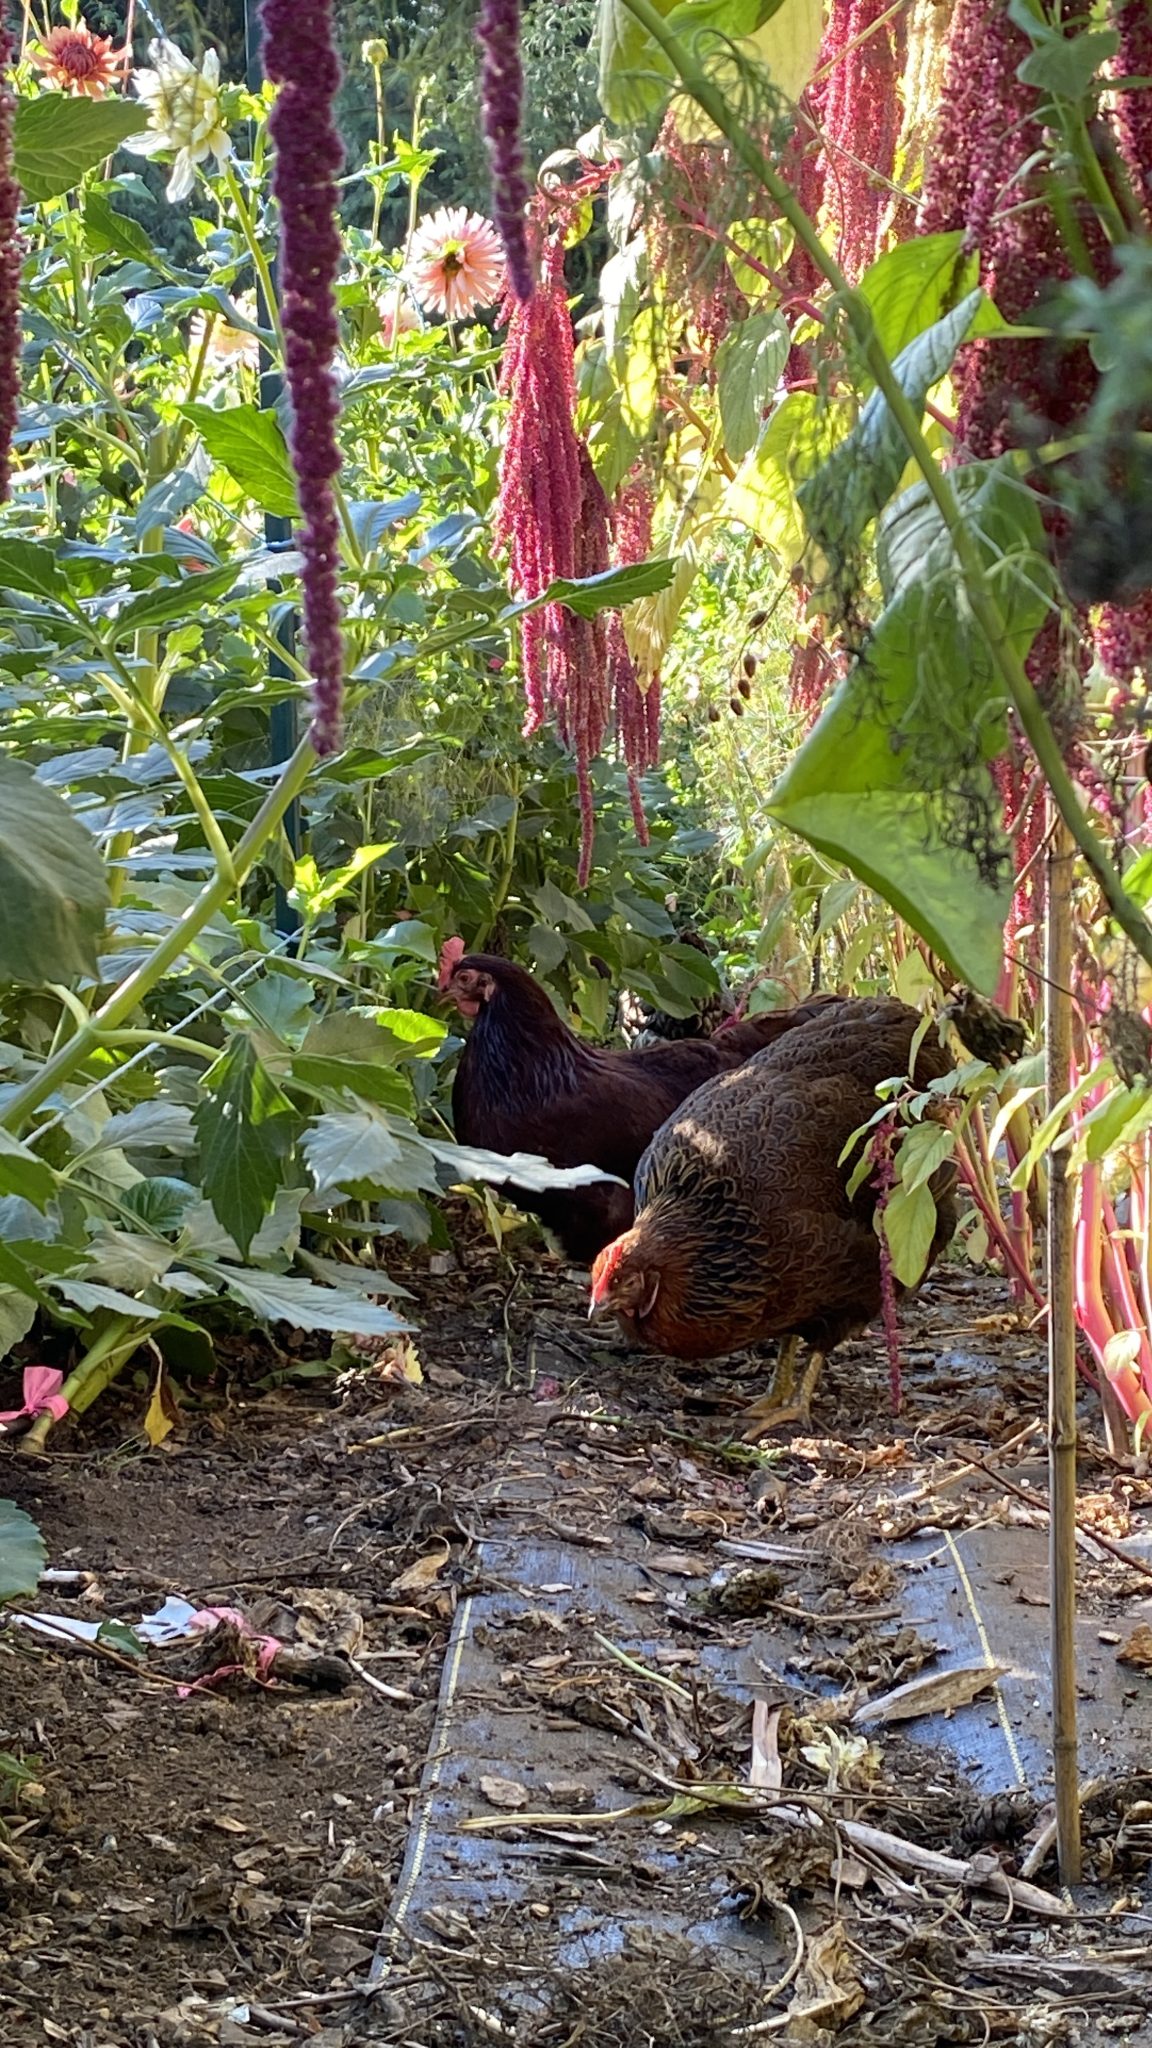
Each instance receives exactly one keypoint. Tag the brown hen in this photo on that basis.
(526, 1083)
(744, 1227)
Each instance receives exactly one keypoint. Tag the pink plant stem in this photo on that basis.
(994, 1223)
(1119, 1280)
(1018, 1230)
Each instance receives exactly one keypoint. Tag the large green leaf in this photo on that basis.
(284, 1298)
(25, 565)
(22, 1173)
(245, 1126)
(526, 1169)
(909, 1224)
(17, 1315)
(762, 494)
(109, 232)
(249, 444)
(631, 84)
(785, 45)
(52, 883)
(179, 600)
(22, 1553)
(57, 139)
(357, 1152)
(748, 365)
(912, 285)
(860, 475)
(875, 783)
(609, 591)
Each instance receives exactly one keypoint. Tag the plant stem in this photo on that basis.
(1062, 1366)
(378, 187)
(97, 1369)
(986, 611)
(260, 261)
(123, 1000)
(414, 184)
(504, 881)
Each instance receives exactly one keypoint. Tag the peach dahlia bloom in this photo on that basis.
(456, 263)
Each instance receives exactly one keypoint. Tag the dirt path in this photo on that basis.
(560, 1517)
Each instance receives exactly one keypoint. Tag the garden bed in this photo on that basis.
(249, 1863)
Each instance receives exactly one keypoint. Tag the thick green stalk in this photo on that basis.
(104, 1358)
(123, 1001)
(1012, 673)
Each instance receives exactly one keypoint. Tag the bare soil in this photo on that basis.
(216, 1865)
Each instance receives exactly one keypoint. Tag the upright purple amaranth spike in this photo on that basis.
(300, 57)
(501, 103)
(10, 255)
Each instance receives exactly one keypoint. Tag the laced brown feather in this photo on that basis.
(742, 1204)
(526, 1083)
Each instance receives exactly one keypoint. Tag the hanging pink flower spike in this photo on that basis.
(42, 1396)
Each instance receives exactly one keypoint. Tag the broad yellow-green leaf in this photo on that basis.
(909, 1224)
(785, 46)
(762, 494)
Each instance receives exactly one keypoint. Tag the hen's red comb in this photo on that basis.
(604, 1269)
(451, 954)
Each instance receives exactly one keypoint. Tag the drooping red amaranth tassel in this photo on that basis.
(10, 256)
(538, 510)
(300, 57)
(637, 709)
(861, 121)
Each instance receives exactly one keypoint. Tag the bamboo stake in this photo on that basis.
(1062, 1363)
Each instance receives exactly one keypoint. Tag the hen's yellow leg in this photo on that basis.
(783, 1381)
(777, 1407)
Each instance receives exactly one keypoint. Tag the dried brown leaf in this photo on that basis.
(938, 1692)
(1137, 1650)
(424, 1573)
(504, 1793)
(765, 1769)
(679, 1564)
(829, 1990)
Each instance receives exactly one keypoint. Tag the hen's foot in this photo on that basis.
(775, 1413)
(768, 1419)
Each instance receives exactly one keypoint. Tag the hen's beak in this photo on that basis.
(597, 1310)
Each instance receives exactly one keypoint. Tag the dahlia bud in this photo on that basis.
(374, 52)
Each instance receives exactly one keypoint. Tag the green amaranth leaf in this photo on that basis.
(860, 475)
(52, 883)
(25, 565)
(609, 591)
(245, 1127)
(109, 232)
(909, 1224)
(748, 365)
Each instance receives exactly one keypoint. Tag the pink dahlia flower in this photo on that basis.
(456, 263)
